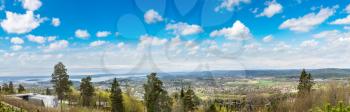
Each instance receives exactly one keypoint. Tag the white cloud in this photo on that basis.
(342, 21)
(97, 43)
(31, 5)
(174, 43)
(151, 16)
(309, 43)
(147, 40)
(51, 38)
(308, 21)
(230, 4)
(103, 33)
(347, 9)
(36, 39)
(83, 34)
(16, 40)
(16, 47)
(268, 38)
(281, 46)
(253, 46)
(121, 45)
(20, 23)
(272, 9)
(327, 34)
(55, 22)
(184, 29)
(58, 45)
(238, 31)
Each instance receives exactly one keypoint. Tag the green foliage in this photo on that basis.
(212, 108)
(48, 92)
(305, 83)
(8, 108)
(116, 97)
(102, 97)
(21, 88)
(11, 89)
(156, 97)
(5, 88)
(87, 91)
(131, 104)
(60, 80)
(190, 100)
(340, 107)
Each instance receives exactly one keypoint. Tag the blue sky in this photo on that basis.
(127, 36)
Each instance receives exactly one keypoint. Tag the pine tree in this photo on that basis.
(156, 98)
(5, 88)
(61, 82)
(11, 88)
(87, 91)
(21, 89)
(305, 83)
(190, 101)
(116, 97)
(48, 92)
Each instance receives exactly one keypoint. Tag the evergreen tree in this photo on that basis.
(87, 91)
(156, 98)
(21, 89)
(61, 82)
(11, 88)
(0, 89)
(48, 92)
(5, 88)
(190, 101)
(305, 83)
(116, 97)
(182, 92)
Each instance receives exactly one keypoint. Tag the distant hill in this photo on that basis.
(287, 73)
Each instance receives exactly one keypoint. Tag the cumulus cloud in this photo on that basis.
(31, 5)
(83, 34)
(102, 33)
(16, 47)
(36, 39)
(147, 40)
(238, 31)
(272, 9)
(151, 16)
(268, 38)
(58, 45)
(55, 22)
(184, 29)
(230, 5)
(342, 21)
(97, 43)
(309, 43)
(308, 21)
(16, 40)
(20, 23)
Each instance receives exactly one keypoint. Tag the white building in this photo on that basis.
(37, 99)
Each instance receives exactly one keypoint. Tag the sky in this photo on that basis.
(142, 36)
